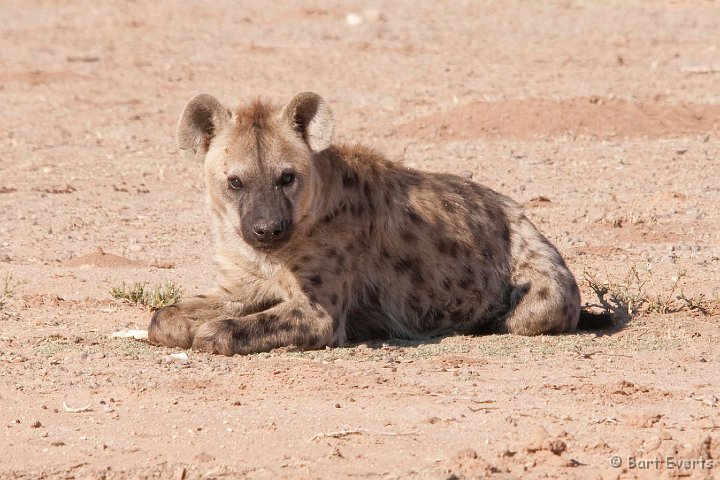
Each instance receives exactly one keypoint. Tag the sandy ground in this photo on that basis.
(603, 117)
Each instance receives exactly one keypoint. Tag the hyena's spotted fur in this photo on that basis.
(354, 246)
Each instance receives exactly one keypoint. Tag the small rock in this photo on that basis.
(467, 454)
(540, 439)
(643, 420)
(536, 438)
(557, 446)
(36, 424)
(353, 19)
(162, 264)
(179, 474)
(204, 457)
(180, 357)
(469, 464)
(137, 334)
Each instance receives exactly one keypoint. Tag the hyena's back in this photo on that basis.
(445, 254)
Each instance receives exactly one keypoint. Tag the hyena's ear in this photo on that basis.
(308, 114)
(202, 118)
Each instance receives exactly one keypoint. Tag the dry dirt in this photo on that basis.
(604, 117)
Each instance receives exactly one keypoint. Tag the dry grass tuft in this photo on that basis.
(155, 296)
(632, 295)
(8, 288)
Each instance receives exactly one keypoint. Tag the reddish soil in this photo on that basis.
(602, 117)
(592, 117)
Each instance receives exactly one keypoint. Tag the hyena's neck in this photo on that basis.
(351, 179)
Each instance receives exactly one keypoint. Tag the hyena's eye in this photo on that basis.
(235, 183)
(287, 178)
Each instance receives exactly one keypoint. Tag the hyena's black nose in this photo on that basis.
(269, 230)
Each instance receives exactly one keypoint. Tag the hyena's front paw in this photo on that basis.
(216, 337)
(170, 326)
(175, 326)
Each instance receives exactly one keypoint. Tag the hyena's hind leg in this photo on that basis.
(175, 326)
(545, 298)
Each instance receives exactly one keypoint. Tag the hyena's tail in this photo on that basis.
(594, 321)
(543, 303)
(544, 297)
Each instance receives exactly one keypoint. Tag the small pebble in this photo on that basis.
(353, 19)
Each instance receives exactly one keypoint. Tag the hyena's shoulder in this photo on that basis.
(369, 190)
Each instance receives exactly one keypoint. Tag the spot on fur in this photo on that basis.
(413, 216)
(543, 293)
(350, 180)
(408, 235)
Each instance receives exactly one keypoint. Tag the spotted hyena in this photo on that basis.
(321, 244)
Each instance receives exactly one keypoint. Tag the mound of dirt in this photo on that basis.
(594, 117)
(101, 259)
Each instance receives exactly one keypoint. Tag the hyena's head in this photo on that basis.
(258, 162)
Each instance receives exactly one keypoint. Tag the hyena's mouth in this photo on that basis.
(268, 248)
(267, 244)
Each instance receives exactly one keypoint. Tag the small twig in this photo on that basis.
(82, 58)
(482, 408)
(357, 431)
(340, 433)
(605, 420)
(394, 434)
(586, 355)
(590, 354)
(701, 69)
(451, 397)
(643, 333)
